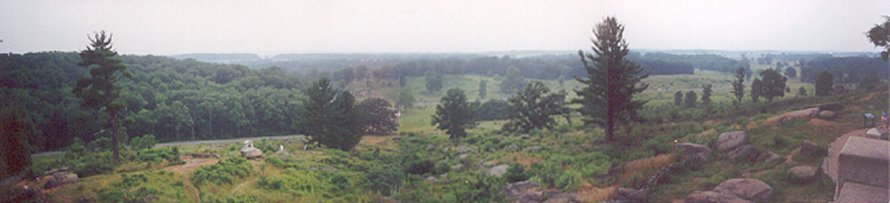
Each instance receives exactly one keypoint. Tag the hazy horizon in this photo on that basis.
(396, 26)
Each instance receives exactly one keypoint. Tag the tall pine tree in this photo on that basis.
(738, 86)
(607, 95)
(99, 90)
(330, 116)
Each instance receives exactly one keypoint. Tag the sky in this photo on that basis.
(268, 27)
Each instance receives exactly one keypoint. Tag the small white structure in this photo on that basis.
(250, 152)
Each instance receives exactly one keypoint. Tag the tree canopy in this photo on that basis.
(454, 114)
(534, 108)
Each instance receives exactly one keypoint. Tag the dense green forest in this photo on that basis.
(845, 69)
(169, 98)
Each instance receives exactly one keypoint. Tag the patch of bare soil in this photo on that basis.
(822, 123)
(190, 165)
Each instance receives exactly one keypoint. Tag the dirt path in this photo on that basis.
(829, 164)
(191, 164)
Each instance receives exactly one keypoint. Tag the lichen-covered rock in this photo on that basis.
(745, 152)
(810, 149)
(498, 170)
(730, 140)
(802, 174)
(827, 115)
(713, 197)
(693, 152)
(746, 188)
(60, 178)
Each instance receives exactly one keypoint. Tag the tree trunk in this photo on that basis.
(610, 128)
(114, 140)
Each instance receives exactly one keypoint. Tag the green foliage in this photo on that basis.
(143, 142)
(513, 81)
(330, 117)
(824, 84)
(706, 94)
(678, 98)
(607, 94)
(516, 173)
(738, 86)
(378, 116)
(169, 154)
(383, 179)
(230, 199)
(879, 35)
(690, 99)
(85, 163)
(298, 182)
(158, 186)
(406, 99)
(801, 91)
(433, 82)
(533, 108)
(16, 155)
(494, 109)
(563, 171)
(475, 188)
(483, 89)
(224, 172)
(756, 89)
(454, 114)
(772, 84)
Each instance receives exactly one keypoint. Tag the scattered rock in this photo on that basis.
(827, 115)
(629, 195)
(462, 156)
(61, 177)
(694, 152)
(514, 189)
(830, 107)
(431, 179)
(712, 197)
(430, 147)
(250, 152)
(532, 149)
(457, 167)
(498, 170)
(461, 149)
(810, 149)
(730, 140)
(769, 157)
(802, 174)
(489, 163)
(525, 136)
(747, 152)
(746, 188)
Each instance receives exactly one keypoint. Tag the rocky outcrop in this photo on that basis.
(830, 107)
(713, 197)
(745, 152)
(499, 170)
(734, 190)
(769, 157)
(531, 192)
(802, 174)
(61, 177)
(810, 149)
(746, 188)
(730, 140)
(828, 115)
(629, 195)
(694, 152)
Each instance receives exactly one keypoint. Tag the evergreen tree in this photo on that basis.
(330, 117)
(378, 116)
(533, 108)
(738, 86)
(483, 89)
(16, 156)
(756, 90)
(454, 114)
(801, 91)
(824, 83)
(772, 84)
(678, 98)
(606, 96)
(706, 95)
(99, 91)
(691, 97)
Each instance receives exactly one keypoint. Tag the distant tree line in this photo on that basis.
(844, 69)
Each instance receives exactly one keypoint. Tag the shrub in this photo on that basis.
(131, 188)
(223, 172)
(516, 173)
(157, 155)
(143, 142)
(568, 180)
(298, 182)
(383, 179)
(475, 188)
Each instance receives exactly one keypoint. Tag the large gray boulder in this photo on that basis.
(746, 188)
(693, 152)
(61, 177)
(802, 174)
(827, 115)
(810, 149)
(769, 157)
(730, 140)
(746, 152)
(499, 170)
(830, 107)
(713, 197)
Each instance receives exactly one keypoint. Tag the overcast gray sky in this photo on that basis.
(287, 26)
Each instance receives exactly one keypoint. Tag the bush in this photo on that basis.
(516, 173)
(569, 180)
(131, 188)
(298, 182)
(475, 188)
(143, 142)
(223, 172)
(383, 179)
(169, 154)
